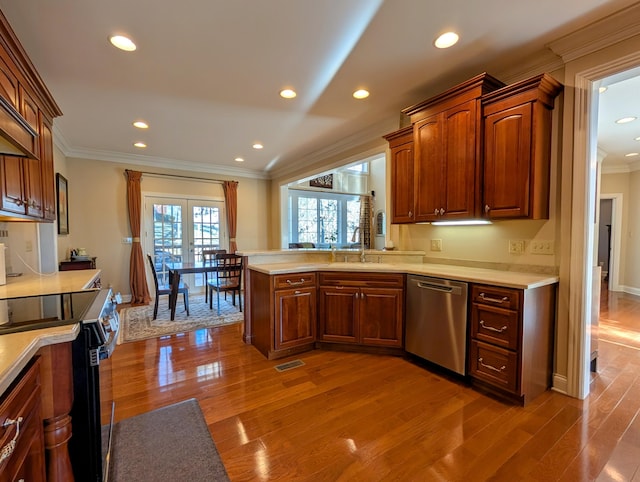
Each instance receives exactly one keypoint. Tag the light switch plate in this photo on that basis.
(436, 245)
(542, 246)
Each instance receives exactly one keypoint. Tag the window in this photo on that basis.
(323, 219)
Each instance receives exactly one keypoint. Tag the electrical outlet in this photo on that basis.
(436, 245)
(542, 247)
(28, 246)
(516, 246)
(127, 240)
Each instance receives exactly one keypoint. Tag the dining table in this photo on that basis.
(177, 269)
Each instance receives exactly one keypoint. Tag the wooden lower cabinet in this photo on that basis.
(511, 347)
(361, 308)
(283, 313)
(21, 432)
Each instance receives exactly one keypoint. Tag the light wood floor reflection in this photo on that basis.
(349, 416)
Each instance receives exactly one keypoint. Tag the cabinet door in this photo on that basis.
(380, 316)
(460, 167)
(48, 179)
(338, 312)
(429, 168)
(507, 162)
(295, 317)
(29, 110)
(33, 186)
(12, 185)
(402, 198)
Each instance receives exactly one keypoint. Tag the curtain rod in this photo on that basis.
(159, 174)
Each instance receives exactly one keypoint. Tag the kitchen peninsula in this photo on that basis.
(306, 302)
(36, 380)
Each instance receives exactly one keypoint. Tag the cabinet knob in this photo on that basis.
(410, 214)
(435, 211)
(441, 211)
(486, 208)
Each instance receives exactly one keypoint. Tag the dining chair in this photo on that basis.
(166, 290)
(209, 255)
(228, 277)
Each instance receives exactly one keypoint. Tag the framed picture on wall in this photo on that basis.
(62, 197)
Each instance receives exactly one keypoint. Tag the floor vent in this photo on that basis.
(289, 365)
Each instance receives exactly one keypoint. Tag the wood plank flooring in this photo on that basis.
(350, 416)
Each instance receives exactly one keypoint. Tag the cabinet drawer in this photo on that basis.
(22, 399)
(494, 365)
(368, 280)
(495, 325)
(495, 296)
(294, 280)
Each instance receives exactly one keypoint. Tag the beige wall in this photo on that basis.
(98, 217)
(620, 184)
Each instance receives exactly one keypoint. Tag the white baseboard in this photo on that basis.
(631, 290)
(559, 384)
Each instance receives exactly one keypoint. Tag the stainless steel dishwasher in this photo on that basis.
(436, 322)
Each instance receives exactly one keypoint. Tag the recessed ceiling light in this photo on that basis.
(239, 159)
(446, 40)
(624, 120)
(257, 145)
(141, 145)
(602, 90)
(288, 93)
(122, 42)
(361, 94)
(141, 125)
(631, 154)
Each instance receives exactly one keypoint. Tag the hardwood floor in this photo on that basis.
(350, 416)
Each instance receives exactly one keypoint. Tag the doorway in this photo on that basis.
(177, 230)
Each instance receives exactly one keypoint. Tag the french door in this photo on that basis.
(179, 229)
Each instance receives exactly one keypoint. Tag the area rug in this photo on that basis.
(137, 323)
(168, 444)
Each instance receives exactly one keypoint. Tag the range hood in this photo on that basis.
(17, 137)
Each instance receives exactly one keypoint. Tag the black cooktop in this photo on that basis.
(36, 312)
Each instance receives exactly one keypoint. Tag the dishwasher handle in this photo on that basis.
(454, 290)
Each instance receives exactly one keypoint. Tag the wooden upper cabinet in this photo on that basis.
(517, 148)
(402, 173)
(12, 185)
(26, 112)
(46, 160)
(8, 81)
(446, 156)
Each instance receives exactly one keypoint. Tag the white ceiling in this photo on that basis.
(207, 73)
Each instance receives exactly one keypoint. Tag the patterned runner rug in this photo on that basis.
(137, 323)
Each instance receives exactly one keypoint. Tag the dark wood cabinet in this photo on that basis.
(26, 112)
(444, 178)
(21, 428)
(283, 313)
(517, 148)
(401, 174)
(511, 348)
(363, 309)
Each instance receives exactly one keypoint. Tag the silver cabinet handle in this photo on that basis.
(410, 214)
(491, 328)
(435, 211)
(494, 300)
(8, 449)
(357, 296)
(296, 292)
(295, 283)
(486, 208)
(491, 367)
(441, 211)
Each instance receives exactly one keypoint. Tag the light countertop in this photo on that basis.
(16, 349)
(509, 279)
(49, 284)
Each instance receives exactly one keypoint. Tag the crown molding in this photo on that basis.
(600, 34)
(150, 161)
